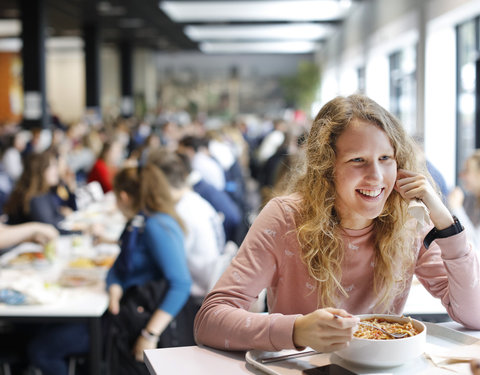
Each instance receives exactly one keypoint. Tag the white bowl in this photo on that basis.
(386, 353)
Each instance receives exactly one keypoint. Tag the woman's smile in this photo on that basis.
(368, 194)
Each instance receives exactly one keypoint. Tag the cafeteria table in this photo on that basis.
(56, 303)
(201, 360)
(87, 307)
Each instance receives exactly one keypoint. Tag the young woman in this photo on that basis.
(151, 250)
(342, 243)
(39, 194)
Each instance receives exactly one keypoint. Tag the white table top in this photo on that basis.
(208, 361)
(197, 360)
(54, 300)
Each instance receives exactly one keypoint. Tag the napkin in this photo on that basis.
(418, 210)
(455, 359)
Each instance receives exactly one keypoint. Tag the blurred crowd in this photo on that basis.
(234, 166)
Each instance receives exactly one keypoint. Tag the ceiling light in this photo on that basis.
(214, 11)
(258, 47)
(300, 31)
(64, 43)
(10, 27)
(10, 44)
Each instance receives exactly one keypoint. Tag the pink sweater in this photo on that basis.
(269, 258)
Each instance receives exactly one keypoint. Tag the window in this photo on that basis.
(361, 79)
(403, 88)
(467, 54)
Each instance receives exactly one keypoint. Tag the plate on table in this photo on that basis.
(25, 255)
(72, 277)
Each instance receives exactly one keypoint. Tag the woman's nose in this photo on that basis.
(373, 171)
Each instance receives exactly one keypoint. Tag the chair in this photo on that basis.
(6, 368)
(73, 361)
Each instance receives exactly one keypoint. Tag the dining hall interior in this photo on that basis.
(172, 125)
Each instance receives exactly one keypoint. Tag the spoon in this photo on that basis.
(394, 335)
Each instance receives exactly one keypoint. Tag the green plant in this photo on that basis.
(300, 89)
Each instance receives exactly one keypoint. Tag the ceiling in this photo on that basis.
(244, 26)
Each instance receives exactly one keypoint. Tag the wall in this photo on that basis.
(379, 27)
(11, 91)
(65, 83)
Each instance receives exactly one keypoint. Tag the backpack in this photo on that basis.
(137, 305)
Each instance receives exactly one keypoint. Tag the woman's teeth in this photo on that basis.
(370, 193)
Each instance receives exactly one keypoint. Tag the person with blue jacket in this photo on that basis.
(151, 249)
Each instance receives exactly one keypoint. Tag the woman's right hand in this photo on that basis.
(323, 331)
(43, 233)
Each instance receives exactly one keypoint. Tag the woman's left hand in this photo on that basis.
(412, 185)
(140, 345)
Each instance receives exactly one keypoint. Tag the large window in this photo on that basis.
(403, 88)
(467, 54)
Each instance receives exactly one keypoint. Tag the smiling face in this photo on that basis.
(365, 173)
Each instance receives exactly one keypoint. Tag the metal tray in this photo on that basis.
(437, 335)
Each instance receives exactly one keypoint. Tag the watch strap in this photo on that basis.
(453, 229)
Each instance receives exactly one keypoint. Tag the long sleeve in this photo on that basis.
(224, 320)
(450, 270)
(165, 244)
(204, 239)
(101, 173)
(221, 202)
(158, 253)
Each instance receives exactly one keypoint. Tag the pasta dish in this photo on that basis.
(369, 332)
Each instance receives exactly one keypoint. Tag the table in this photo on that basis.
(83, 304)
(203, 360)
(197, 360)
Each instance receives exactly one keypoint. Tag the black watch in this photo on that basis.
(453, 229)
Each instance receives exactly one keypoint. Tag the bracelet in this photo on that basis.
(149, 336)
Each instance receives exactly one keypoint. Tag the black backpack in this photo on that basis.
(136, 307)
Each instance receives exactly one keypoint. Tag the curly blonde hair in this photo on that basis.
(318, 228)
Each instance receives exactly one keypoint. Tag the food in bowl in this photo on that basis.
(375, 327)
(375, 352)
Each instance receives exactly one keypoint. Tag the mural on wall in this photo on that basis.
(11, 89)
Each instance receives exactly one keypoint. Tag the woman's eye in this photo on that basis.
(357, 160)
(385, 157)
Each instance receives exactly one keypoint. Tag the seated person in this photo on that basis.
(204, 236)
(105, 167)
(39, 195)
